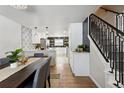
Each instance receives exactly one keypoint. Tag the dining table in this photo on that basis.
(14, 77)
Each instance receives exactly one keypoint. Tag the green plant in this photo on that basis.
(81, 46)
(14, 56)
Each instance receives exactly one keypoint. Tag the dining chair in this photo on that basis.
(38, 54)
(48, 71)
(45, 75)
(40, 77)
(39, 80)
(47, 68)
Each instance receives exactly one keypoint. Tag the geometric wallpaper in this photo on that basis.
(26, 38)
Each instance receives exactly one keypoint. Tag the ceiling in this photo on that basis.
(117, 8)
(56, 17)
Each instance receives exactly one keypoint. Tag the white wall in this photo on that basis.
(58, 34)
(107, 16)
(10, 35)
(75, 35)
(98, 66)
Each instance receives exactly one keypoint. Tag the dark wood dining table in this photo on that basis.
(16, 79)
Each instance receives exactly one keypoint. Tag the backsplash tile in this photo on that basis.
(26, 38)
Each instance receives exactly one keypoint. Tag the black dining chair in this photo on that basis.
(47, 68)
(48, 71)
(39, 80)
(38, 54)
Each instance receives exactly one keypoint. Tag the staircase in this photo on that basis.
(110, 42)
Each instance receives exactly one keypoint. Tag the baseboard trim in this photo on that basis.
(95, 81)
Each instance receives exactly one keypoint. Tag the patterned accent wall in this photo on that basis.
(26, 38)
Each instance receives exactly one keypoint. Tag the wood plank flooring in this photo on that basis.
(67, 80)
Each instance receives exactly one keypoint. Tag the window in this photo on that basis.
(58, 42)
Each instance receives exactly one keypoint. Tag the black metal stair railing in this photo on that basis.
(110, 42)
(120, 21)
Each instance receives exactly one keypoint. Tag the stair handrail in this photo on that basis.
(117, 30)
(112, 51)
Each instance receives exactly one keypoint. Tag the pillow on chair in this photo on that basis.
(38, 54)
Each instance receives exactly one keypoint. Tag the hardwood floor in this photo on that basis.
(67, 80)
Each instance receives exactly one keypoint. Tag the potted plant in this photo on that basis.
(13, 57)
(81, 47)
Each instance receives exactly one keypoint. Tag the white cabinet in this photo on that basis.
(71, 62)
(79, 63)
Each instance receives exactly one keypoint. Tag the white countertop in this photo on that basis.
(80, 52)
(40, 50)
